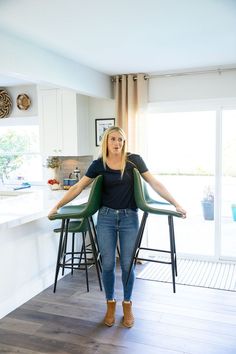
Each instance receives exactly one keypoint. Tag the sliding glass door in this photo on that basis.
(181, 152)
(193, 153)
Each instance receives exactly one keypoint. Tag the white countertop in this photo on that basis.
(30, 204)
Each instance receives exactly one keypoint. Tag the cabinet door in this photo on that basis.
(51, 121)
(58, 113)
(69, 130)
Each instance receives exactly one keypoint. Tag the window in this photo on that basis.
(20, 157)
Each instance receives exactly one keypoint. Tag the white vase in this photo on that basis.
(54, 173)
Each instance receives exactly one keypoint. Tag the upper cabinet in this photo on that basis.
(64, 122)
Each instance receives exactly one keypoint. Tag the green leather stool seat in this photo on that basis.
(76, 226)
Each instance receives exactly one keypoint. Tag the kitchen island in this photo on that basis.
(28, 243)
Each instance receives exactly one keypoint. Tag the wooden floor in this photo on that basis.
(194, 320)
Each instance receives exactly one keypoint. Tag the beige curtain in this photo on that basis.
(131, 95)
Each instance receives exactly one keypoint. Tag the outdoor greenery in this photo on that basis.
(11, 148)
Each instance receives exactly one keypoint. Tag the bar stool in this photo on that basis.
(149, 206)
(82, 215)
(76, 259)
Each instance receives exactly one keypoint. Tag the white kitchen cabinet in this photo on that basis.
(64, 123)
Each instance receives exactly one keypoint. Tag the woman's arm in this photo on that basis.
(162, 191)
(73, 192)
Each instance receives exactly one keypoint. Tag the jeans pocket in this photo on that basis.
(131, 212)
(103, 211)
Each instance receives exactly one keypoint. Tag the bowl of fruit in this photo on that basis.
(54, 184)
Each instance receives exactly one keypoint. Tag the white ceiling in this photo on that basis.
(124, 36)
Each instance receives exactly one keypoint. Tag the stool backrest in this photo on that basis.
(138, 191)
(83, 210)
(95, 196)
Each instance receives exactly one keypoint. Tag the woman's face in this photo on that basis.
(115, 143)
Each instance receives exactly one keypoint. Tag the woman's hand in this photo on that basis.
(180, 210)
(52, 213)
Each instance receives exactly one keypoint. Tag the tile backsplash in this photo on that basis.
(69, 163)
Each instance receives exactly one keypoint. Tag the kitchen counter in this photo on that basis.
(28, 243)
(30, 204)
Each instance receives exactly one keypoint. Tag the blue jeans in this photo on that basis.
(111, 224)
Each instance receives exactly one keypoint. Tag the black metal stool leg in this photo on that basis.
(172, 254)
(137, 243)
(72, 253)
(118, 250)
(173, 238)
(142, 227)
(59, 254)
(96, 243)
(85, 260)
(64, 247)
(81, 253)
(94, 252)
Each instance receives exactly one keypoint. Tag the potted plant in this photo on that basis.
(208, 204)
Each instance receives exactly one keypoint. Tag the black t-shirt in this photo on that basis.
(118, 193)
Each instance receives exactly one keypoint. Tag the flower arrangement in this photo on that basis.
(53, 162)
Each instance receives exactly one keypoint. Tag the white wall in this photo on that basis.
(32, 63)
(84, 136)
(193, 87)
(99, 109)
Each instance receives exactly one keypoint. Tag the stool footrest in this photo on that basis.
(153, 249)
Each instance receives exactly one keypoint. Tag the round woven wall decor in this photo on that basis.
(23, 101)
(5, 104)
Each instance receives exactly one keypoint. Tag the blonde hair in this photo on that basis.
(104, 148)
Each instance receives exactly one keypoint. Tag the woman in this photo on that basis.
(117, 217)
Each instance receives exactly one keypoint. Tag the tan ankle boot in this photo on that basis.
(128, 319)
(109, 319)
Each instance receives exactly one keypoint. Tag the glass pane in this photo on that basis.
(181, 150)
(228, 210)
(19, 154)
(30, 169)
(24, 139)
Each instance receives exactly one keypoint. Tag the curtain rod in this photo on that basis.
(150, 76)
(113, 78)
(210, 71)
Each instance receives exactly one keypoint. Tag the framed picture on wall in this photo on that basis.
(100, 126)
